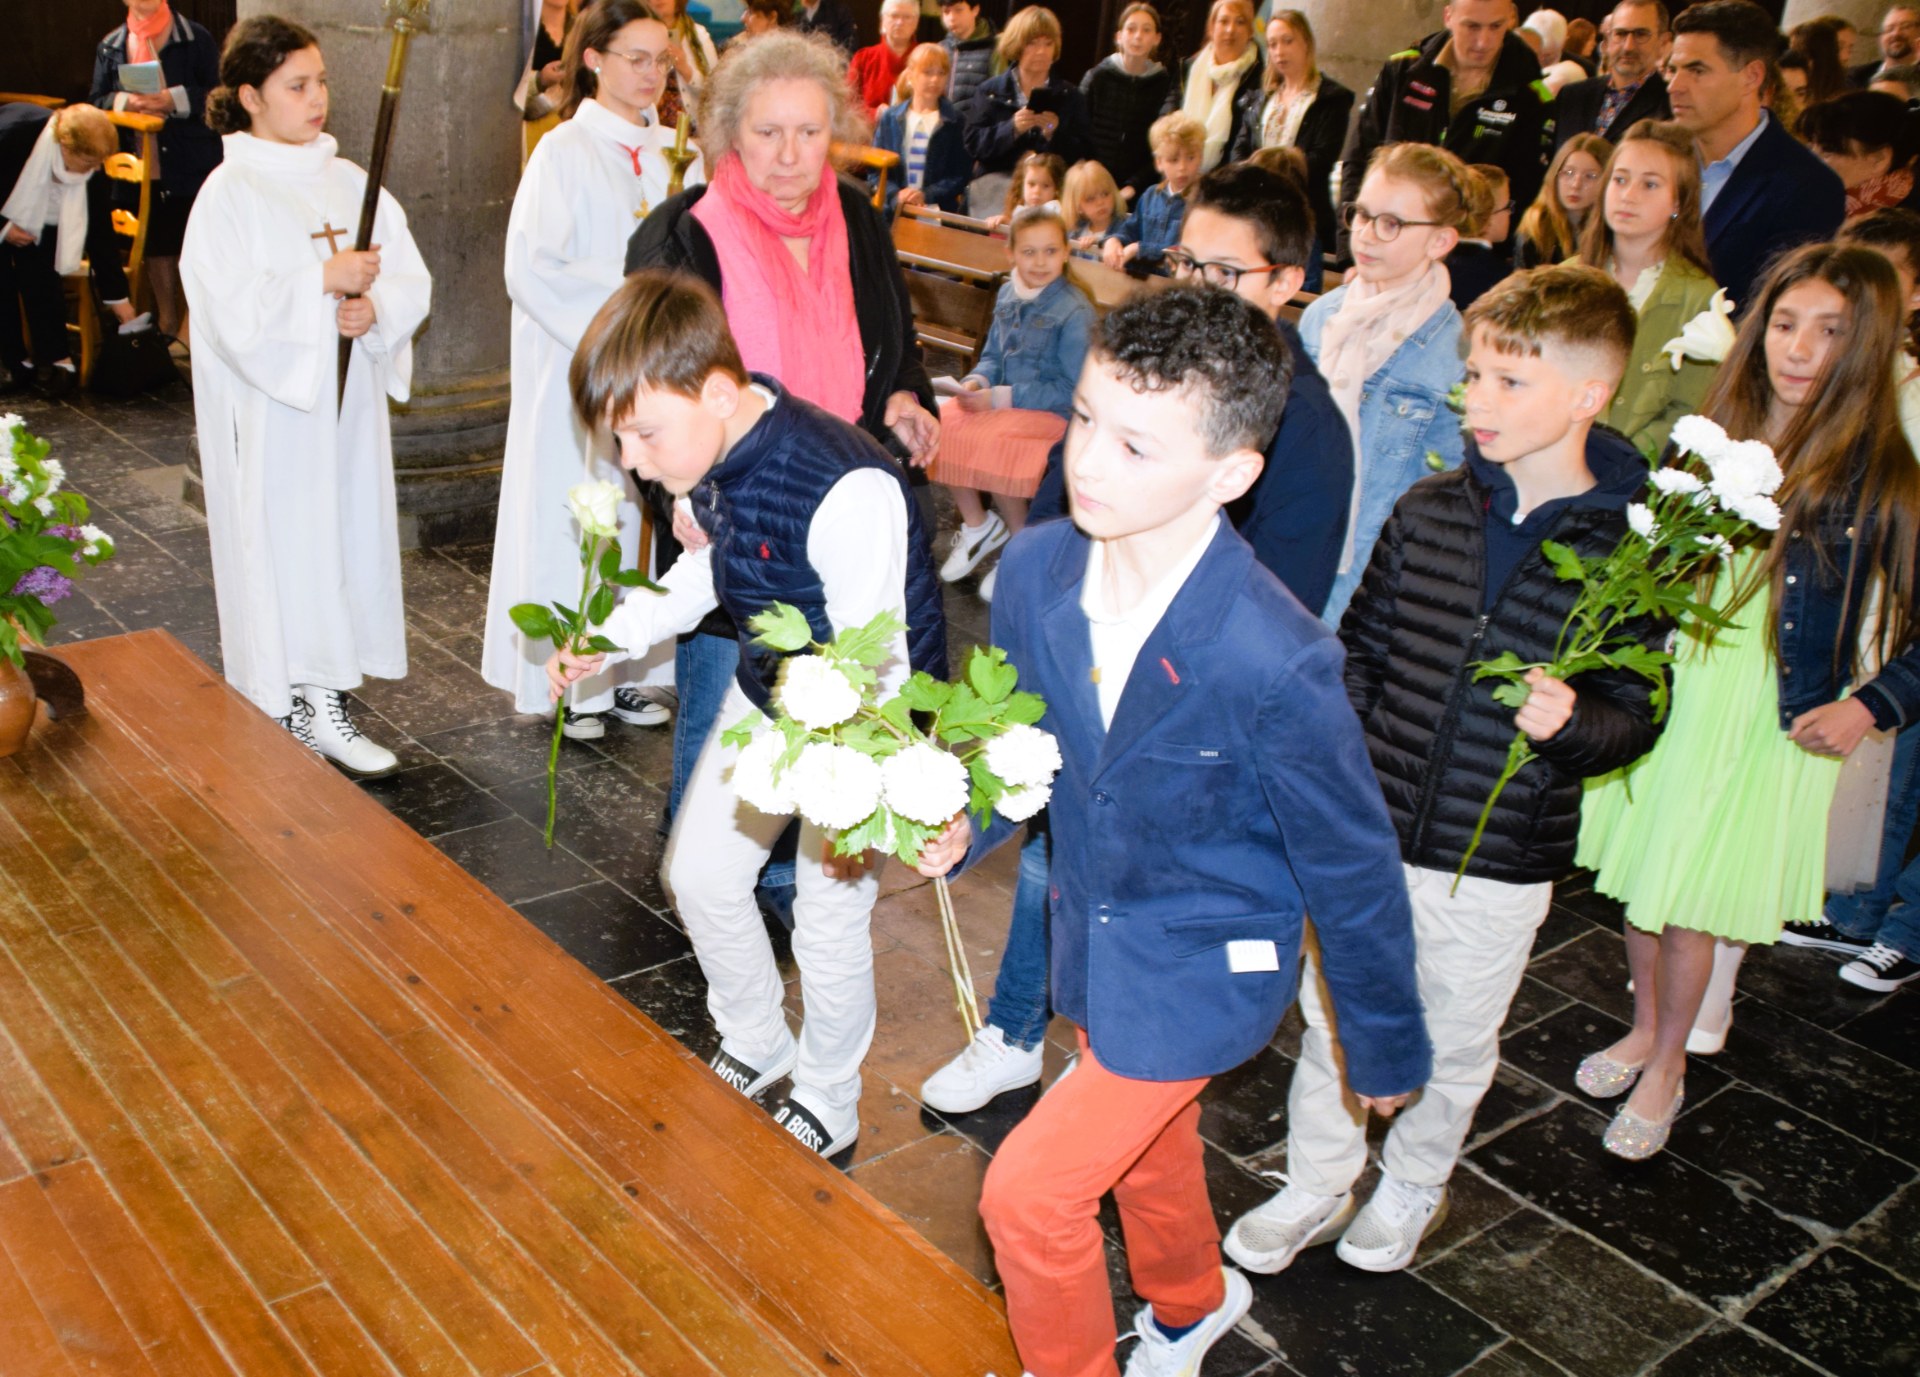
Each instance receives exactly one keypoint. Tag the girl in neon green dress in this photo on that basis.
(1720, 832)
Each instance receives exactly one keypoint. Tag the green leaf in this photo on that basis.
(1023, 709)
(1505, 665)
(924, 693)
(600, 645)
(782, 627)
(990, 674)
(743, 731)
(910, 838)
(899, 715)
(633, 578)
(965, 717)
(1512, 695)
(1565, 562)
(600, 606)
(534, 621)
(870, 739)
(868, 645)
(610, 563)
(875, 830)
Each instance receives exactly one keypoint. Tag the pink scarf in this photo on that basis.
(142, 32)
(796, 324)
(1356, 343)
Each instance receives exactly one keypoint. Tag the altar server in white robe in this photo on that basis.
(587, 186)
(299, 486)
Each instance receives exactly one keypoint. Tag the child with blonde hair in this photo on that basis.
(1550, 230)
(929, 133)
(1037, 180)
(1090, 204)
(1153, 226)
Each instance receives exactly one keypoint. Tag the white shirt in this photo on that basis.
(857, 543)
(1117, 638)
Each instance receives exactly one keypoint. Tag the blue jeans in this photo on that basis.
(703, 669)
(1889, 913)
(1019, 1005)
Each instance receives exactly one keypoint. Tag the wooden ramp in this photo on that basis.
(285, 1090)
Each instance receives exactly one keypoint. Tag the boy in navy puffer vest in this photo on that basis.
(1459, 576)
(799, 507)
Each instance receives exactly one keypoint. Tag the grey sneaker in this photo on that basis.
(1268, 1237)
(1389, 1230)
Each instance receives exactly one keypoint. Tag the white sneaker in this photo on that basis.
(335, 736)
(1268, 1237)
(1158, 1356)
(986, 1067)
(636, 710)
(1389, 1229)
(986, 585)
(971, 544)
(582, 726)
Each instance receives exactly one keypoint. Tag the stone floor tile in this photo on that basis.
(1592, 969)
(1847, 1315)
(439, 693)
(510, 858)
(1891, 1028)
(1806, 984)
(1728, 1351)
(607, 818)
(1550, 1051)
(1244, 1112)
(1786, 1159)
(1513, 1359)
(433, 798)
(1707, 1238)
(1534, 1001)
(923, 1182)
(1559, 927)
(1513, 1096)
(675, 997)
(1891, 1235)
(506, 749)
(606, 929)
(1569, 1298)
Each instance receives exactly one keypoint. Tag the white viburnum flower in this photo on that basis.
(1745, 468)
(1754, 508)
(1022, 756)
(834, 787)
(43, 505)
(56, 474)
(816, 694)
(1017, 805)
(1676, 480)
(1698, 435)
(1640, 518)
(596, 506)
(924, 783)
(1707, 338)
(753, 775)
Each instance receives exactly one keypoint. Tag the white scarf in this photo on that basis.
(46, 193)
(1356, 342)
(1209, 98)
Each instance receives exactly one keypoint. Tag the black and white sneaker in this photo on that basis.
(1880, 968)
(637, 710)
(1820, 935)
(809, 1132)
(751, 1080)
(582, 726)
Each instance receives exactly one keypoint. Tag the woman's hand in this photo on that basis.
(1025, 119)
(19, 237)
(914, 426)
(565, 669)
(1832, 728)
(911, 196)
(354, 316)
(350, 272)
(678, 52)
(159, 103)
(948, 849)
(552, 75)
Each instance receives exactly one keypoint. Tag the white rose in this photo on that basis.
(924, 783)
(1698, 435)
(1753, 507)
(1640, 518)
(596, 506)
(1023, 755)
(816, 694)
(753, 777)
(1017, 805)
(1708, 337)
(1676, 480)
(834, 787)
(1745, 468)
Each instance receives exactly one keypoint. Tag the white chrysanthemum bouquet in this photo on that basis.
(888, 776)
(1697, 512)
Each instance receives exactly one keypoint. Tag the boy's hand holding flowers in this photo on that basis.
(1548, 708)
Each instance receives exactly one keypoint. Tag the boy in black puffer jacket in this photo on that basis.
(1459, 576)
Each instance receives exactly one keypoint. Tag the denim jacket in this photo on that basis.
(1819, 624)
(1405, 426)
(1153, 223)
(1037, 347)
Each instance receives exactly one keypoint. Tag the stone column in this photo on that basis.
(454, 164)
(1352, 40)
(1864, 15)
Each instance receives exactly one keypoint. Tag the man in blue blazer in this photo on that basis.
(1215, 790)
(1762, 190)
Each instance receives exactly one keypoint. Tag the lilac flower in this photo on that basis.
(45, 583)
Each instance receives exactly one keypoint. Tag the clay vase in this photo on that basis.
(17, 704)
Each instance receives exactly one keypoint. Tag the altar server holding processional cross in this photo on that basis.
(587, 186)
(298, 469)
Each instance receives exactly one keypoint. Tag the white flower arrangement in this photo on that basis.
(889, 775)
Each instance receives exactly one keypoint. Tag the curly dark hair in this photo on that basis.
(1209, 340)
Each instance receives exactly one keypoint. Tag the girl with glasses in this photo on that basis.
(1550, 230)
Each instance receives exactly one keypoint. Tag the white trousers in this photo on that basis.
(1470, 951)
(713, 858)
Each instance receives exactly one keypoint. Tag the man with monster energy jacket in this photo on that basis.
(1473, 89)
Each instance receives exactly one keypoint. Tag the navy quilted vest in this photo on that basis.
(757, 505)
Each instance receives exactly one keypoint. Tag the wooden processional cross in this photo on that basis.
(330, 234)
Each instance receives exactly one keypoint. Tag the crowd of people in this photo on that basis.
(1528, 261)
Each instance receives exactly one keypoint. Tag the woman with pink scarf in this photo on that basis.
(806, 271)
(188, 66)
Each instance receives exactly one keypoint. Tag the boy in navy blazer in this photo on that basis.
(1215, 789)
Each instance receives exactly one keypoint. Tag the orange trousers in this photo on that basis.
(1095, 1132)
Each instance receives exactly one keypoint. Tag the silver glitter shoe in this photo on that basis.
(1604, 1078)
(1637, 1139)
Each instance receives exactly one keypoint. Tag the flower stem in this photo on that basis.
(1518, 754)
(553, 768)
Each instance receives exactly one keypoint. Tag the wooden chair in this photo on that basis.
(21, 97)
(949, 314)
(1297, 307)
(860, 159)
(948, 219)
(136, 170)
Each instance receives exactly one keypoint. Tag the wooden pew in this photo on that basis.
(953, 278)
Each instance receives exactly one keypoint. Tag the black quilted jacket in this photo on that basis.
(1438, 740)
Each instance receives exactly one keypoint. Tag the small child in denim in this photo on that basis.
(1153, 226)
